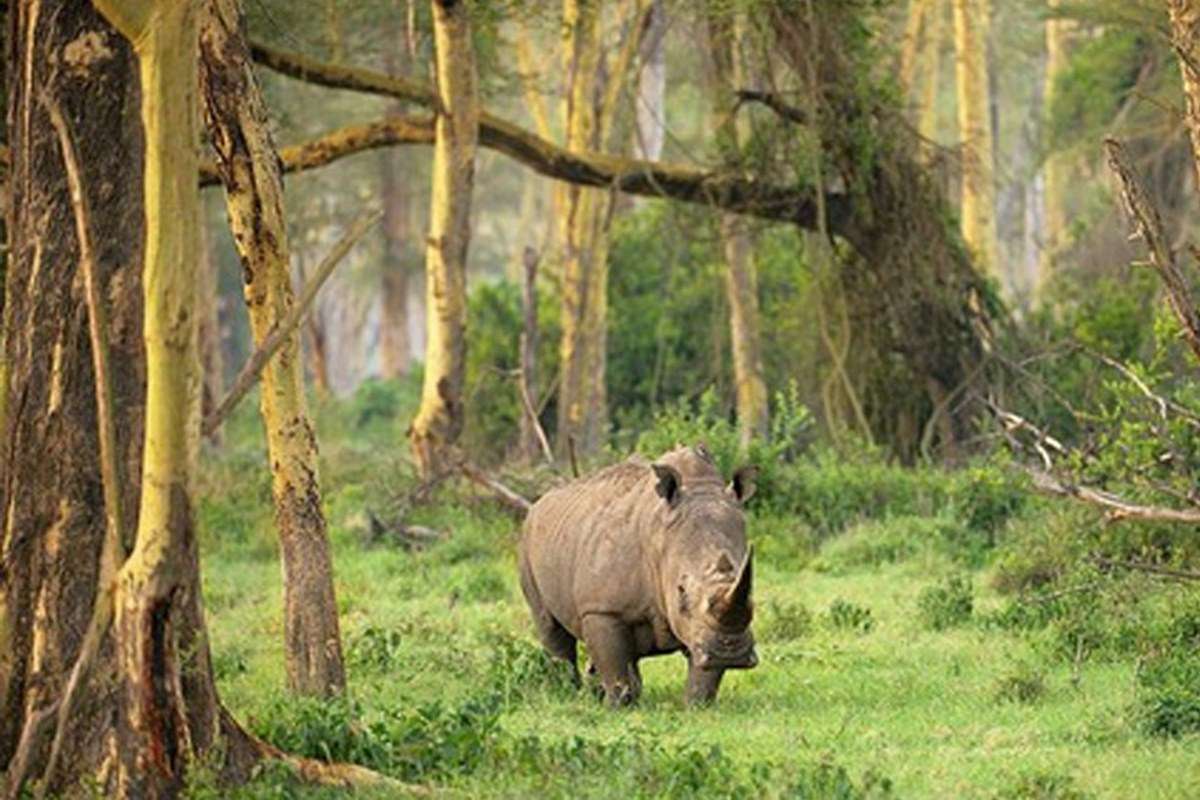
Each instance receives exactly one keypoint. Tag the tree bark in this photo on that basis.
(248, 164)
(741, 274)
(975, 131)
(49, 464)
(212, 361)
(439, 419)
(529, 339)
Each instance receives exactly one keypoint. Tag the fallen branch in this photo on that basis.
(411, 537)
(722, 189)
(253, 368)
(1148, 227)
(506, 495)
(1117, 508)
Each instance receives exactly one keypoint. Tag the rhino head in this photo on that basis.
(707, 568)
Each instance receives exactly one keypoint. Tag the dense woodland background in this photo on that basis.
(927, 263)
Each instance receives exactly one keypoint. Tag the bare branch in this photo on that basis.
(287, 326)
(1148, 227)
(502, 492)
(775, 103)
(1117, 508)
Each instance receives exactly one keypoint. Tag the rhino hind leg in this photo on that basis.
(555, 639)
(610, 646)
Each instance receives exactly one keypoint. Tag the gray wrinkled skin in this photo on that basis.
(640, 560)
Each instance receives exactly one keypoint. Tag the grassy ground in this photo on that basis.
(856, 695)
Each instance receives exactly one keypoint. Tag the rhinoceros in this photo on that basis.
(642, 559)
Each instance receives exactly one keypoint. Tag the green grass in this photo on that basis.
(448, 688)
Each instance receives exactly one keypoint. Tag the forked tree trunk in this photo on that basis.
(741, 274)
(439, 419)
(249, 169)
(975, 131)
(650, 127)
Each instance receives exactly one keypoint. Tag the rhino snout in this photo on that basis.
(748, 659)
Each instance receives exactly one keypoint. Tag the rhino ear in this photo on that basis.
(669, 481)
(742, 485)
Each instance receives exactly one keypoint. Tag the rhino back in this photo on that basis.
(586, 544)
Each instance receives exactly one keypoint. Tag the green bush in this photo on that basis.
(1042, 786)
(1168, 694)
(1023, 683)
(783, 622)
(947, 604)
(846, 616)
(705, 422)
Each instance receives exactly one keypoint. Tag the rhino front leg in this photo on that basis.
(610, 646)
(702, 684)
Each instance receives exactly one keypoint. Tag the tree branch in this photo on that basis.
(772, 101)
(1148, 227)
(258, 360)
(720, 189)
(1117, 508)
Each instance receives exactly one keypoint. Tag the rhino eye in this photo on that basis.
(683, 601)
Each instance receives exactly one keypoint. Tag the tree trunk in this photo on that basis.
(650, 131)
(741, 275)
(1056, 168)
(439, 420)
(975, 131)
(529, 341)
(249, 168)
(934, 23)
(581, 57)
(212, 362)
(394, 344)
(915, 27)
(1185, 35)
(50, 468)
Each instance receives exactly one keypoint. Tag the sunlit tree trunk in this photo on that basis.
(439, 419)
(580, 54)
(975, 131)
(915, 26)
(1056, 169)
(249, 168)
(741, 275)
(169, 707)
(935, 19)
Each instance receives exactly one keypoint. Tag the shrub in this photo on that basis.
(1042, 786)
(1168, 694)
(375, 648)
(1023, 683)
(519, 669)
(784, 622)
(948, 604)
(844, 615)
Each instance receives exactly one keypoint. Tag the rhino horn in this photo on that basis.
(736, 602)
